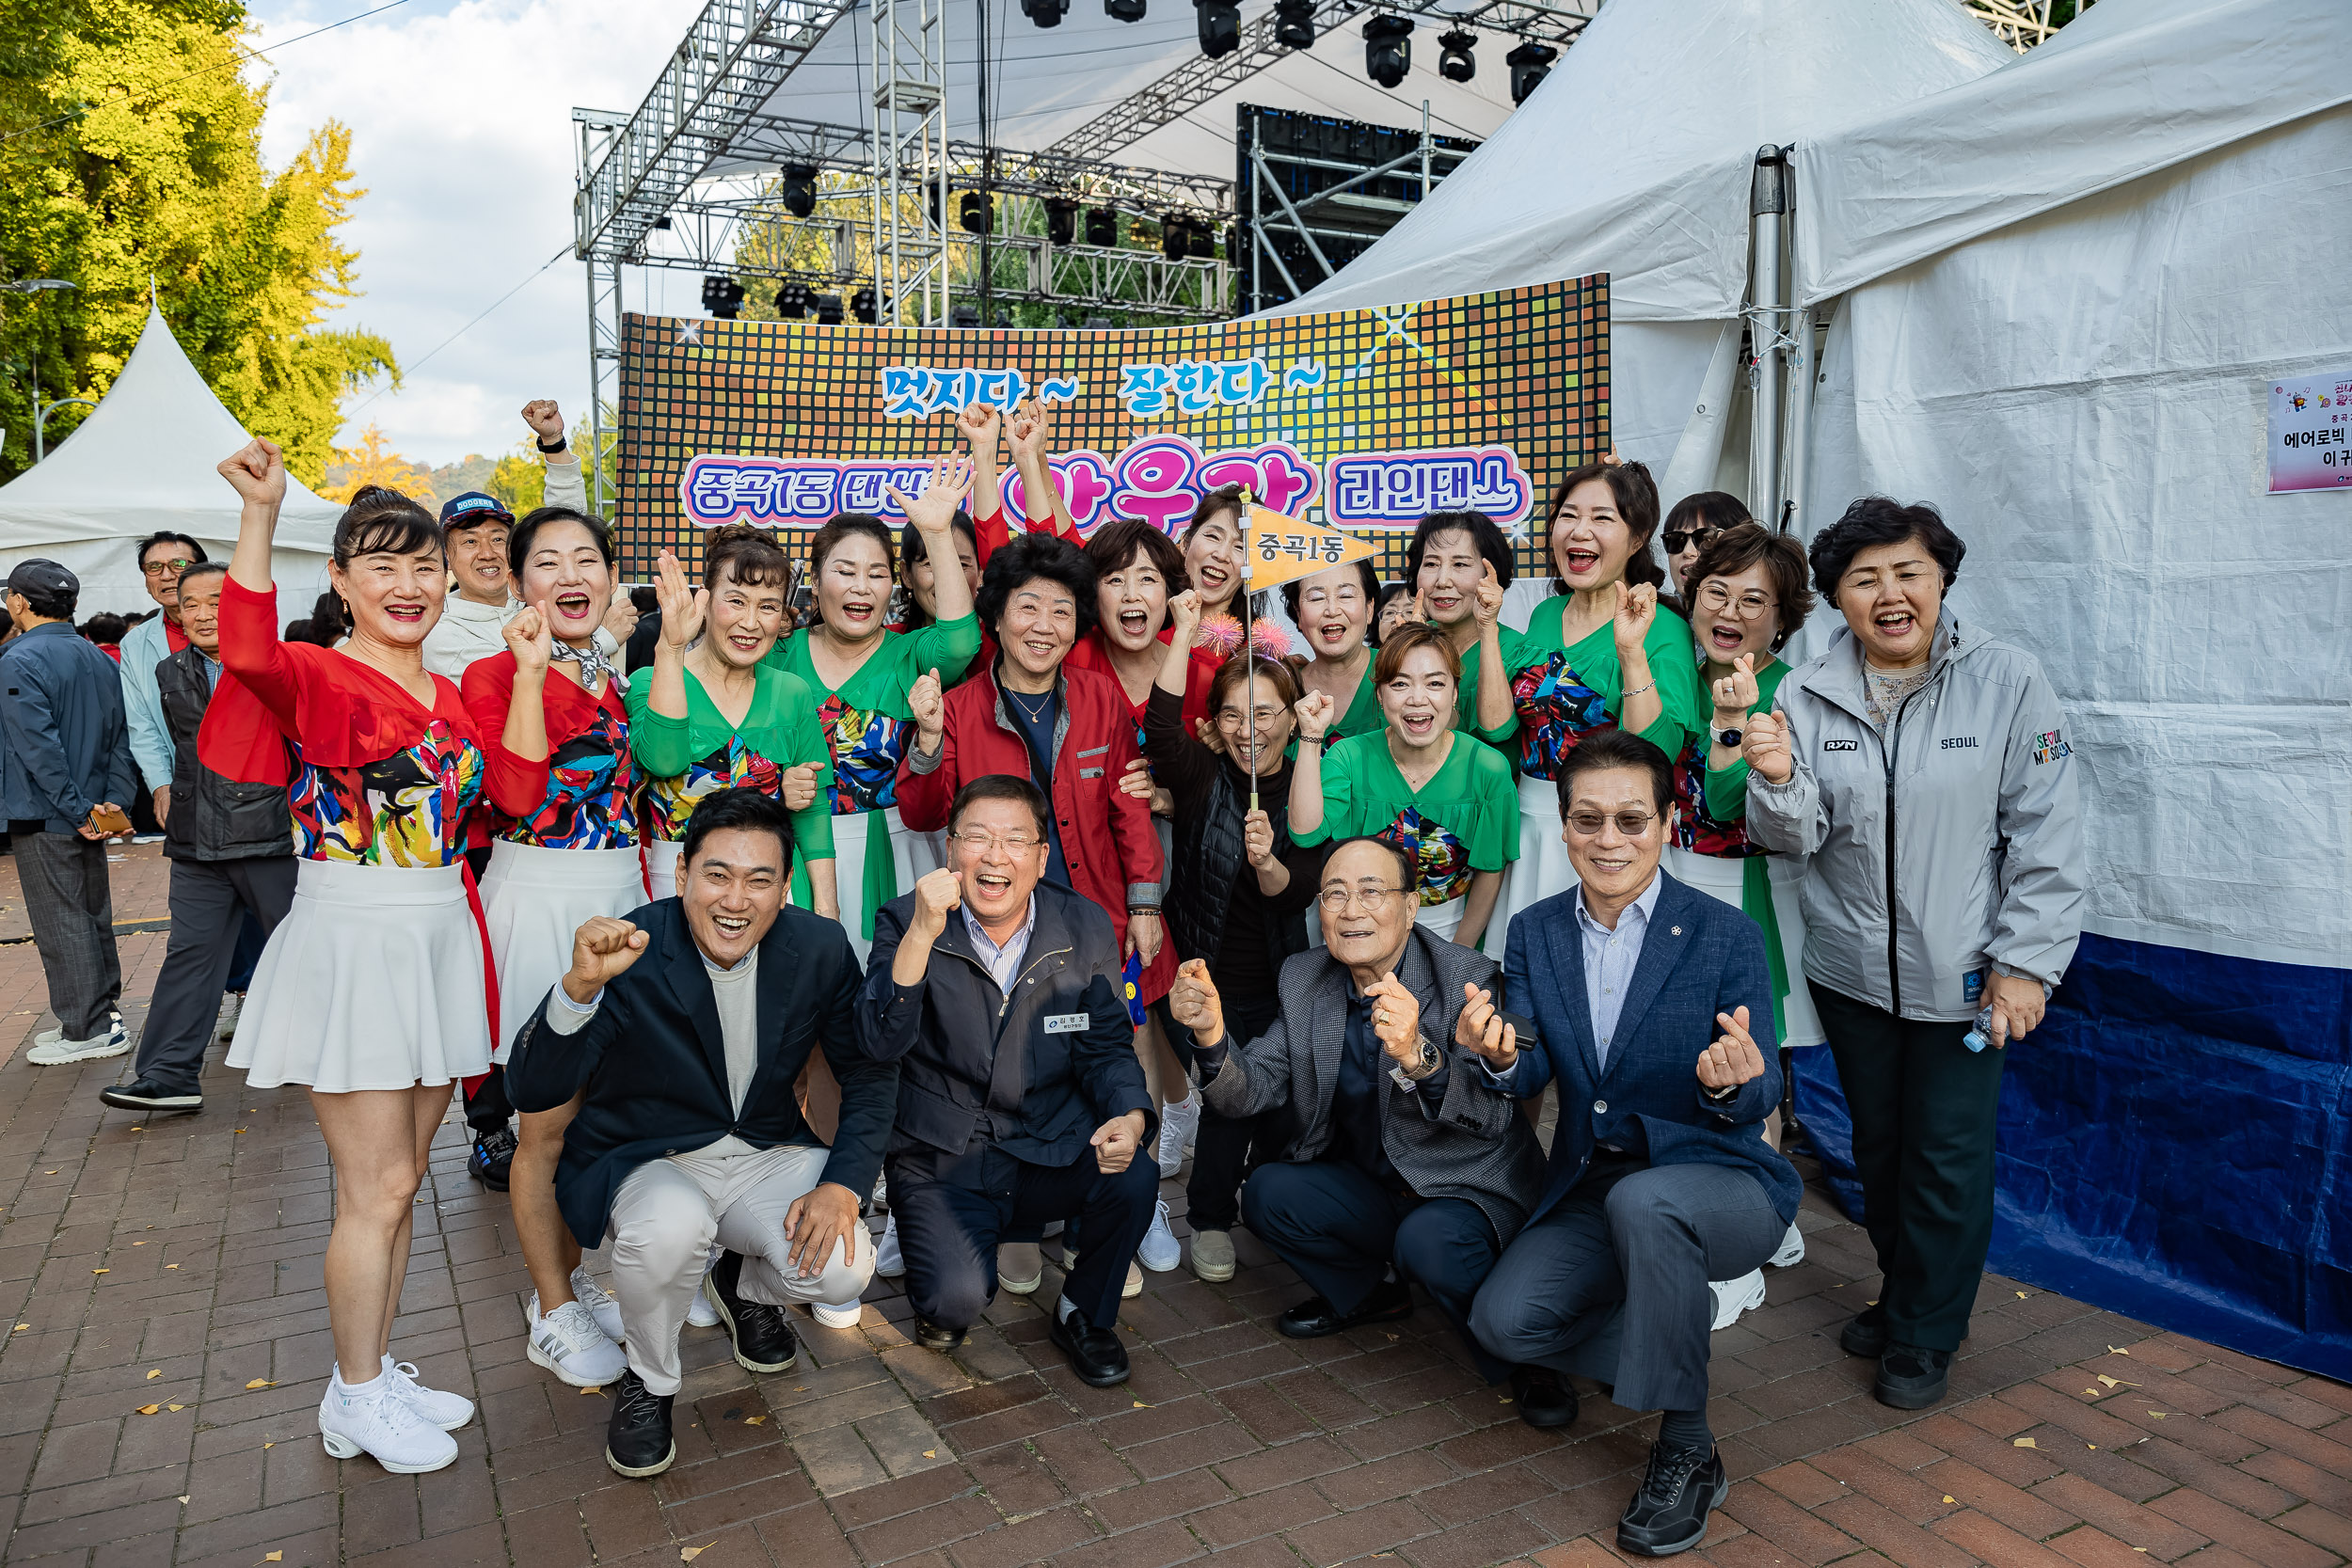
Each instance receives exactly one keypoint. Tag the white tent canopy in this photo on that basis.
(143, 461)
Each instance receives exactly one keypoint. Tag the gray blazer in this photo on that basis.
(1471, 1144)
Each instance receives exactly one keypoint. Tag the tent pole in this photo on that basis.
(1797, 451)
(1767, 205)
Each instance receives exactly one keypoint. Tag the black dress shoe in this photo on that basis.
(1866, 1334)
(1669, 1514)
(1095, 1354)
(637, 1441)
(1315, 1317)
(1912, 1378)
(938, 1336)
(493, 1153)
(1541, 1399)
(149, 1095)
(763, 1338)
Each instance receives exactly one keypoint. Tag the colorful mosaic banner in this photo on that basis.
(1355, 420)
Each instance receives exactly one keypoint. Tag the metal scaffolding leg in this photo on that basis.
(911, 191)
(604, 382)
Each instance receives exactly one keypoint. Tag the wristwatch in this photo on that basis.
(1428, 1064)
(560, 442)
(1728, 738)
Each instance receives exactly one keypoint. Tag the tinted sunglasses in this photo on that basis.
(1676, 542)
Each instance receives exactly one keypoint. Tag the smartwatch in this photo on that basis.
(1728, 738)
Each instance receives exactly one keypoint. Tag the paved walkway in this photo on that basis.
(169, 1348)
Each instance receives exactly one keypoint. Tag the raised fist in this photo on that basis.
(1765, 743)
(602, 950)
(257, 471)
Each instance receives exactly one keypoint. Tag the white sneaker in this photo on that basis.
(845, 1315)
(1159, 1252)
(447, 1411)
(1734, 1296)
(232, 1008)
(889, 1261)
(60, 1050)
(568, 1343)
(1020, 1267)
(1791, 1249)
(1179, 1124)
(1134, 1281)
(374, 1419)
(599, 1303)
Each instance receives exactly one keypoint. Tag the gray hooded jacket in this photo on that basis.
(1954, 843)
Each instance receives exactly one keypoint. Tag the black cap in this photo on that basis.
(472, 510)
(40, 576)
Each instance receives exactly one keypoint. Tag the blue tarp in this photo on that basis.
(2174, 1147)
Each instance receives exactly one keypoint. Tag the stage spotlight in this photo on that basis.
(862, 306)
(1453, 55)
(1529, 63)
(1124, 10)
(662, 222)
(1220, 26)
(1295, 23)
(976, 213)
(1175, 237)
(1199, 240)
(1061, 220)
(1388, 50)
(799, 189)
(829, 309)
(722, 296)
(1102, 227)
(966, 316)
(1045, 13)
(792, 301)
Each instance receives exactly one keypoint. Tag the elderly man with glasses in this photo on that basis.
(1407, 1161)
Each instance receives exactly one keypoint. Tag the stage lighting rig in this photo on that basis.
(1045, 13)
(1124, 10)
(1220, 26)
(1388, 50)
(976, 213)
(1454, 61)
(1295, 23)
(723, 296)
(1175, 236)
(964, 316)
(1061, 220)
(793, 299)
(1529, 63)
(798, 188)
(1102, 227)
(862, 306)
(829, 309)
(1199, 240)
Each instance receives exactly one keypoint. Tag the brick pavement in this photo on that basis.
(177, 1265)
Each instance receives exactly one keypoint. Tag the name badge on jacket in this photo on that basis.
(1067, 1024)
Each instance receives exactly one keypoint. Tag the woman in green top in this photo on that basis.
(713, 717)
(860, 672)
(1332, 611)
(1600, 654)
(1458, 564)
(1748, 594)
(1441, 794)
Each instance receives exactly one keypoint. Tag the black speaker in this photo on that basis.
(1388, 50)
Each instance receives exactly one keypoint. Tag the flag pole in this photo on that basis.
(1249, 646)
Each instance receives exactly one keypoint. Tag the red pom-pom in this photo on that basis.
(1269, 639)
(1219, 633)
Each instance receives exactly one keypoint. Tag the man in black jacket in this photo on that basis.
(688, 1023)
(1020, 1097)
(231, 850)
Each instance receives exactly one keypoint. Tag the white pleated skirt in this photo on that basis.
(372, 981)
(1721, 876)
(534, 901)
(912, 858)
(662, 866)
(1542, 868)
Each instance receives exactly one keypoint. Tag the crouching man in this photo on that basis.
(1020, 1097)
(686, 1024)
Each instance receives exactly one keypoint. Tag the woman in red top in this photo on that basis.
(374, 991)
(553, 717)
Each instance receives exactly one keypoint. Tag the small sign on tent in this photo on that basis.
(2311, 433)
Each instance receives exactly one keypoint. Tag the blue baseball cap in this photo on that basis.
(474, 509)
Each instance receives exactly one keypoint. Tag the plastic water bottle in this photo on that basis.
(1981, 1036)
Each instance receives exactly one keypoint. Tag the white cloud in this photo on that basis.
(462, 135)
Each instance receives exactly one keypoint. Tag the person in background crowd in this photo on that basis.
(1334, 611)
(1071, 732)
(1396, 609)
(325, 627)
(1212, 553)
(1690, 528)
(1987, 902)
(1666, 1182)
(637, 652)
(1459, 564)
(1020, 1099)
(1236, 889)
(1600, 654)
(1405, 1161)
(373, 992)
(69, 773)
(919, 579)
(105, 632)
(232, 868)
(862, 678)
(679, 1032)
(1440, 794)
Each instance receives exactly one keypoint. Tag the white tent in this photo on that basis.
(144, 460)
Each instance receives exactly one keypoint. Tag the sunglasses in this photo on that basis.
(1676, 542)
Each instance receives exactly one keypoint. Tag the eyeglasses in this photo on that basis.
(1675, 540)
(1749, 606)
(158, 568)
(1339, 899)
(1632, 824)
(978, 842)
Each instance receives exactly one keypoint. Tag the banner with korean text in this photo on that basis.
(1359, 420)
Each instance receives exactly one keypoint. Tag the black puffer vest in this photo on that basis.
(212, 819)
(1210, 861)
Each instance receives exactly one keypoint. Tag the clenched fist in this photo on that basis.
(1194, 1002)
(602, 950)
(938, 895)
(1636, 609)
(800, 784)
(929, 705)
(1765, 743)
(257, 471)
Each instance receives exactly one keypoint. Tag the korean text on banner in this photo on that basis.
(1280, 549)
(2311, 433)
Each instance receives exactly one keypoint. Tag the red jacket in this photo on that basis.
(1107, 839)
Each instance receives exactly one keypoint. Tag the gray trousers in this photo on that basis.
(208, 899)
(72, 912)
(1649, 1237)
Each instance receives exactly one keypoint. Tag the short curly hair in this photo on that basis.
(1029, 558)
(1876, 520)
(1746, 544)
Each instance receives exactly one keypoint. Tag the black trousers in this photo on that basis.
(211, 902)
(70, 905)
(1925, 1108)
(948, 1233)
(1342, 1231)
(1227, 1149)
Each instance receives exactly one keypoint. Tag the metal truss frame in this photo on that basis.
(910, 161)
(1258, 222)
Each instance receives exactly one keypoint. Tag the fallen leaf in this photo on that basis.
(2094, 1447)
(171, 1265)
(269, 1445)
(138, 1128)
(240, 1129)
(1948, 1498)
(149, 1409)
(2022, 1296)
(261, 1383)
(20, 1328)
(138, 1244)
(273, 1556)
(49, 1173)
(183, 1497)
(2023, 1442)
(2116, 1382)
(755, 1420)
(1140, 1405)
(101, 1270)
(2158, 1414)
(2092, 1392)
(931, 1453)
(593, 1388)
(688, 1554)
(175, 1407)
(2112, 1351)
(157, 1372)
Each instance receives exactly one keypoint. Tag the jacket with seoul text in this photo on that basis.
(1032, 1072)
(1954, 843)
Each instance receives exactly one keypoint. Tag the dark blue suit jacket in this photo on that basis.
(1700, 958)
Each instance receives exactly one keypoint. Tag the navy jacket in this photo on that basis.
(978, 1064)
(67, 740)
(655, 1065)
(1700, 958)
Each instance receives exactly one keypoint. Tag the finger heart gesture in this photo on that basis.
(1733, 1059)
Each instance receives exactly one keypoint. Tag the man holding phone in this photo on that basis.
(66, 773)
